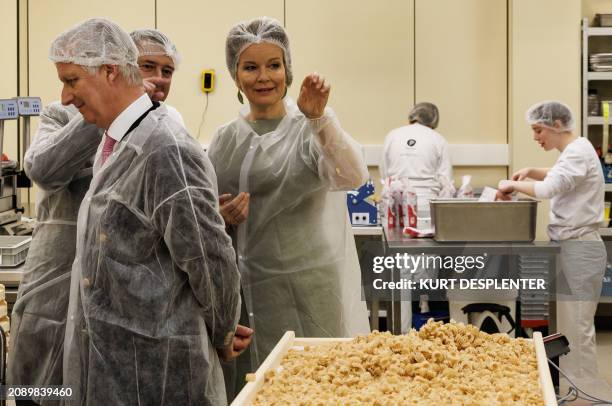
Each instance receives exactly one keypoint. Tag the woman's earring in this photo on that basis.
(240, 99)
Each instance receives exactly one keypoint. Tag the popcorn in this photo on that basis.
(442, 364)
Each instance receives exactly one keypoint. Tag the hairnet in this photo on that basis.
(95, 42)
(545, 113)
(263, 29)
(154, 42)
(425, 114)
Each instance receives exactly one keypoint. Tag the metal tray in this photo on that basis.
(462, 220)
(248, 394)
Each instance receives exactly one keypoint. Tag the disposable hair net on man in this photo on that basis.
(546, 113)
(94, 42)
(425, 114)
(154, 42)
(245, 34)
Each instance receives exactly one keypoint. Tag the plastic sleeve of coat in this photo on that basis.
(64, 142)
(341, 161)
(184, 202)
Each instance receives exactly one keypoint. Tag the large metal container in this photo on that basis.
(462, 220)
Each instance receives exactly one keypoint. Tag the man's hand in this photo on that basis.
(152, 89)
(234, 210)
(242, 339)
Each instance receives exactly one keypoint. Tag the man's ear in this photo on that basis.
(111, 72)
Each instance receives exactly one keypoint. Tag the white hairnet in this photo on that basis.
(94, 42)
(154, 42)
(425, 114)
(263, 29)
(545, 113)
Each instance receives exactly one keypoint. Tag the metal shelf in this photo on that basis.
(599, 75)
(367, 230)
(595, 120)
(599, 31)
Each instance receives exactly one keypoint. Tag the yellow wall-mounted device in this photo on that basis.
(208, 80)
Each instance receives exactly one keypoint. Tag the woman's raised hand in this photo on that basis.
(314, 94)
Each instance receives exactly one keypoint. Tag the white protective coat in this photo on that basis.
(60, 162)
(418, 153)
(154, 287)
(575, 185)
(296, 251)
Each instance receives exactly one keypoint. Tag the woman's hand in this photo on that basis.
(504, 189)
(313, 96)
(234, 210)
(522, 174)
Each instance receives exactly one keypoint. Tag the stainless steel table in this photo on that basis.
(396, 242)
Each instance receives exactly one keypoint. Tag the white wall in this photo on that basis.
(8, 61)
(482, 61)
(545, 64)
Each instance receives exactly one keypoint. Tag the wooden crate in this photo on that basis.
(248, 394)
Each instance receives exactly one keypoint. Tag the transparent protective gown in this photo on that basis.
(60, 162)
(154, 287)
(296, 251)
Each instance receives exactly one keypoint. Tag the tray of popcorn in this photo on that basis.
(441, 364)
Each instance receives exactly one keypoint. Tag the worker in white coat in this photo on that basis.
(60, 162)
(154, 294)
(417, 152)
(296, 251)
(575, 187)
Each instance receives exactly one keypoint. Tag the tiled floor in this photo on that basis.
(604, 357)
(604, 354)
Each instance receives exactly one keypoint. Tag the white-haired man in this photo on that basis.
(154, 286)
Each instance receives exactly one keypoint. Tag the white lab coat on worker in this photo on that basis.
(296, 251)
(420, 154)
(416, 152)
(575, 185)
(154, 287)
(59, 161)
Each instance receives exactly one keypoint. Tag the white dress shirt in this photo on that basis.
(122, 123)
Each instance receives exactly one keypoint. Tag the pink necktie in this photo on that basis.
(107, 148)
